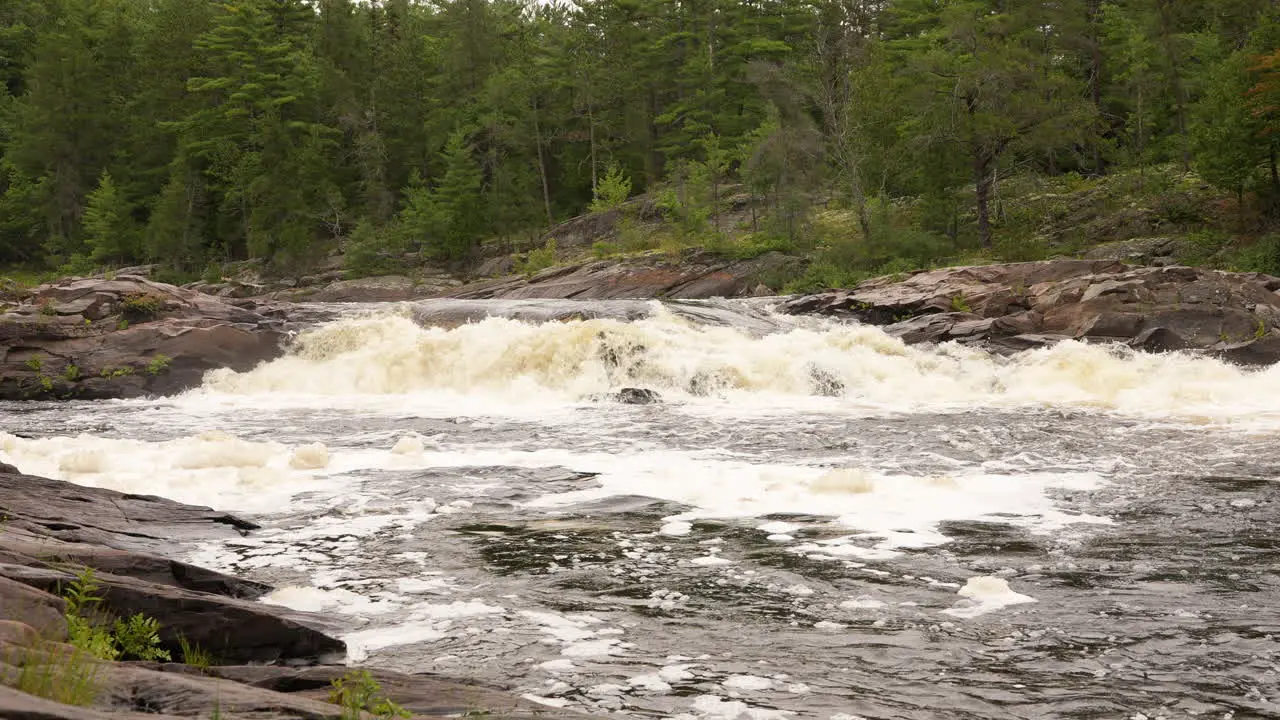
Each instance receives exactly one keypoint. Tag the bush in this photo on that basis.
(539, 259)
(1263, 256)
(138, 638)
(357, 692)
(89, 628)
(612, 190)
(138, 306)
(370, 251)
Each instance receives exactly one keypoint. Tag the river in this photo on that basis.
(815, 522)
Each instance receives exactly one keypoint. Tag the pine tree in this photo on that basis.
(109, 228)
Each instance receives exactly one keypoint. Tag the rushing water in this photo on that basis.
(817, 522)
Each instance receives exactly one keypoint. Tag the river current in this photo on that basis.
(815, 522)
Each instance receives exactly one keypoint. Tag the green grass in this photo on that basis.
(194, 655)
(68, 676)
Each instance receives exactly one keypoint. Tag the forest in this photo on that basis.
(194, 132)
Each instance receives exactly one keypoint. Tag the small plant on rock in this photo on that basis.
(138, 638)
(959, 304)
(159, 364)
(66, 676)
(34, 364)
(141, 305)
(86, 626)
(194, 655)
(357, 692)
(71, 373)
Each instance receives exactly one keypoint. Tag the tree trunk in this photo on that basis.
(1175, 78)
(542, 165)
(982, 185)
(1275, 170)
(1095, 76)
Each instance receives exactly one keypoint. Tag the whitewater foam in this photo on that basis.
(212, 468)
(822, 364)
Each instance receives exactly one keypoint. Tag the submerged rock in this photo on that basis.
(125, 337)
(637, 396)
(1019, 306)
(630, 396)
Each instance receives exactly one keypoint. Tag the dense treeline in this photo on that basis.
(192, 131)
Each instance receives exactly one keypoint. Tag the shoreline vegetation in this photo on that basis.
(460, 136)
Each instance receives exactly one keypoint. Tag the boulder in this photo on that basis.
(32, 608)
(125, 337)
(695, 274)
(1013, 307)
(233, 630)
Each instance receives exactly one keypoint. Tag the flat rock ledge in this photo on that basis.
(125, 337)
(1021, 306)
(271, 663)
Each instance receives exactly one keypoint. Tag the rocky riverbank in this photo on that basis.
(1019, 306)
(269, 663)
(129, 336)
(124, 337)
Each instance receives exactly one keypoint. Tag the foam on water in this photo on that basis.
(985, 594)
(824, 363)
(212, 468)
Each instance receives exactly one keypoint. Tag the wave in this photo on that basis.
(388, 353)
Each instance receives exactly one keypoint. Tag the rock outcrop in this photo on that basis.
(694, 275)
(125, 337)
(1025, 305)
(52, 529)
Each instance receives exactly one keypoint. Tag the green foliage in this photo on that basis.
(69, 677)
(959, 304)
(370, 251)
(138, 638)
(90, 630)
(539, 259)
(212, 274)
(116, 372)
(612, 191)
(87, 629)
(34, 364)
(159, 364)
(109, 228)
(194, 655)
(191, 133)
(357, 692)
(71, 373)
(1262, 256)
(141, 305)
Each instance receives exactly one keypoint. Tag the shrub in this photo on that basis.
(138, 638)
(159, 364)
(89, 628)
(141, 305)
(86, 626)
(357, 692)
(612, 190)
(539, 259)
(1263, 256)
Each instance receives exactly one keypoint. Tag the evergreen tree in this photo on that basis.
(109, 229)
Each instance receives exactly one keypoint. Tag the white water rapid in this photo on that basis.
(816, 521)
